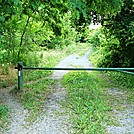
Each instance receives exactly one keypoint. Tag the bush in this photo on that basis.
(121, 27)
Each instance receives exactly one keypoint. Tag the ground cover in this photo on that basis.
(36, 85)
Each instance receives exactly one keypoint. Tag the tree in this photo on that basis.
(121, 27)
(24, 23)
(27, 23)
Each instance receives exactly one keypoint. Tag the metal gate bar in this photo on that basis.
(21, 67)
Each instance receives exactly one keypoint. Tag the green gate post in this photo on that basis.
(20, 76)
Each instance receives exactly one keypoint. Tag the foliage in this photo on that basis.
(26, 24)
(108, 51)
(8, 75)
(87, 102)
(96, 38)
(47, 58)
(113, 44)
(82, 9)
(121, 27)
(105, 49)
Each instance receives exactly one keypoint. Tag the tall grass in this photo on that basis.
(86, 99)
(50, 58)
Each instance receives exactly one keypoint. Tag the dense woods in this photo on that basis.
(26, 25)
(121, 29)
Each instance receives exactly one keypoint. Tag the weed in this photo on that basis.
(121, 80)
(9, 78)
(86, 99)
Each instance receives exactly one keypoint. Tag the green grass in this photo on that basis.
(123, 81)
(32, 97)
(51, 58)
(4, 114)
(86, 99)
(35, 92)
(120, 82)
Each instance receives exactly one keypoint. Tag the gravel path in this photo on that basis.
(124, 117)
(54, 120)
(72, 61)
(17, 112)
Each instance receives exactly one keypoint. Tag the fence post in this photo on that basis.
(20, 76)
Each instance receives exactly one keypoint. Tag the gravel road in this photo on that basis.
(125, 117)
(55, 119)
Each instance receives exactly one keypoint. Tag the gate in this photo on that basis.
(21, 67)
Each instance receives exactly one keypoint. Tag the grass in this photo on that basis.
(125, 84)
(121, 80)
(86, 99)
(7, 77)
(90, 104)
(51, 58)
(35, 92)
(32, 97)
(48, 58)
(120, 83)
(4, 114)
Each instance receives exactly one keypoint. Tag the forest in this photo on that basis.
(40, 33)
(27, 25)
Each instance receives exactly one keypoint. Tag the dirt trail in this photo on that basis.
(125, 117)
(17, 112)
(54, 120)
(72, 61)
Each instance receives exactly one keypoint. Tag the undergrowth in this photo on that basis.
(51, 58)
(86, 99)
(121, 80)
